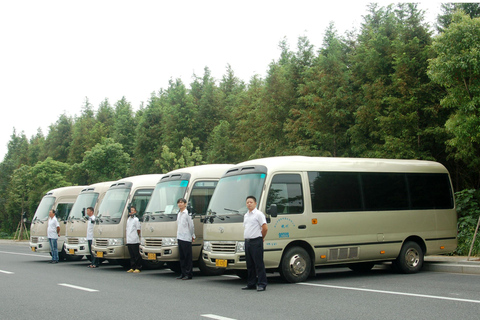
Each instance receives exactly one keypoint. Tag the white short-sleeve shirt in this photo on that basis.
(253, 222)
(52, 228)
(133, 224)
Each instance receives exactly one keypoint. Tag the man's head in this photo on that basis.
(181, 203)
(133, 211)
(51, 213)
(90, 211)
(251, 203)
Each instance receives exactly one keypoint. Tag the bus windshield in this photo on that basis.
(164, 200)
(44, 208)
(83, 201)
(231, 193)
(111, 208)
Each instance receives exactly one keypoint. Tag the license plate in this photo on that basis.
(152, 256)
(221, 263)
(99, 254)
(34, 249)
(71, 251)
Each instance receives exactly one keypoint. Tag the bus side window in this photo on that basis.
(201, 195)
(287, 193)
(63, 209)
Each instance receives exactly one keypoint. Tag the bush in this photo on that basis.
(468, 211)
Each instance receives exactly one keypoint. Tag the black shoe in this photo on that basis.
(180, 277)
(249, 288)
(187, 278)
(261, 288)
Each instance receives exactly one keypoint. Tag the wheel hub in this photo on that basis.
(297, 264)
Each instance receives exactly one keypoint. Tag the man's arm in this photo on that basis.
(264, 231)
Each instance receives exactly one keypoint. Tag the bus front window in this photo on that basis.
(230, 196)
(83, 201)
(111, 208)
(44, 208)
(164, 200)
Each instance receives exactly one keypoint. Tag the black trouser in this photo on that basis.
(135, 258)
(93, 259)
(185, 250)
(255, 265)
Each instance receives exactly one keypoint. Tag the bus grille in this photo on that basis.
(343, 254)
(224, 247)
(101, 242)
(72, 240)
(34, 239)
(153, 242)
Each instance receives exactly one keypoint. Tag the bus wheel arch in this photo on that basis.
(411, 256)
(297, 261)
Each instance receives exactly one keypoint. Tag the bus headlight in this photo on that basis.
(115, 242)
(42, 239)
(241, 246)
(169, 242)
(142, 241)
(82, 240)
(207, 246)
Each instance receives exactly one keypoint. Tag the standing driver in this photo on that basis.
(255, 231)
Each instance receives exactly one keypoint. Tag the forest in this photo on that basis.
(395, 88)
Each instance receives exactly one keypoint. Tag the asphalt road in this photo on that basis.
(32, 288)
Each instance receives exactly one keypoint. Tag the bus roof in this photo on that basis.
(304, 163)
(71, 190)
(141, 180)
(212, 171)
(98, 187)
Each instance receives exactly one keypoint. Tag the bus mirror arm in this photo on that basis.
(272, 211)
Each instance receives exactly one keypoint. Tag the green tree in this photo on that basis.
(187, 157)
(457, 68)
(149, 135)
(105, 120)
(18, 198)
(448, 9)
(319, 121)
(106, 162)
(220, 147)
(36, 147)
(57, 142)
(82, 136)
(124, 127)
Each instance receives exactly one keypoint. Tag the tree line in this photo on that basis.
(395, 88)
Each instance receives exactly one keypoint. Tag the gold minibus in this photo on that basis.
(333, 211)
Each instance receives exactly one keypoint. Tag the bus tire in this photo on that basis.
(296, 265)
(410, 259)
(209, 271)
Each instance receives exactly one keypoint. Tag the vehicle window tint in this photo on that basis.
(286, 192)
(201, 195)
(385, 191)
(430, 191)
(63, 209)
(140, 200)
(335, 191)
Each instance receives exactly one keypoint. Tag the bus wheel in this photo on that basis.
(296, 265)
(361, 267)
(209, 271)
(410, 259)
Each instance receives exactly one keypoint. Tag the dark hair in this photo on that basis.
(182, 200)
(252, 197)
(90, 208)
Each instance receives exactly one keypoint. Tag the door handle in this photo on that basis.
(302, 226)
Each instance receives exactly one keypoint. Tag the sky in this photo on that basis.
(56, 54)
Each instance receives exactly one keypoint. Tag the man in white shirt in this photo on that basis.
(255, 231)
(133, 241)
(53, 232)
(90, 223)
(185, 237)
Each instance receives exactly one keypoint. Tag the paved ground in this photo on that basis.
(454, 264)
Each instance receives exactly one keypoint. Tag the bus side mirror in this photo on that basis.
(83, 212)
(272, 211)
